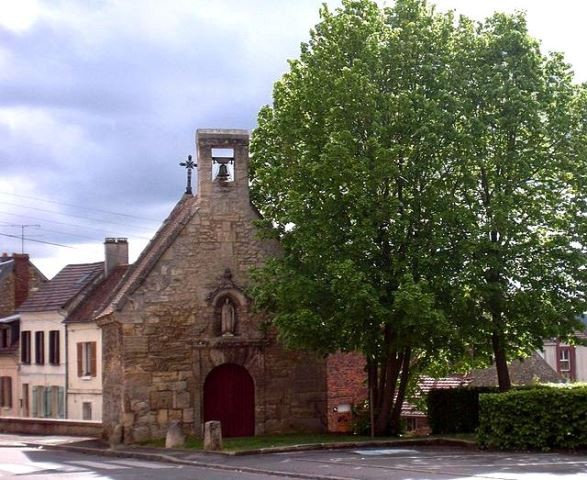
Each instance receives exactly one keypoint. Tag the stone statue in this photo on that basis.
(228, 318)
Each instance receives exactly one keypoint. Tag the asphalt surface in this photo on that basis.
(26, 463)
(390, 463)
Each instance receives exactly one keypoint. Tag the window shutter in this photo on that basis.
(93, 359)
(8, 381)
(47, 401)
(2, 399)
(57, 347)
(572, 363)
(35, 401)
(80, 352)
(61, 402)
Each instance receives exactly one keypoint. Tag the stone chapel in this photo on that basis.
(181, 341)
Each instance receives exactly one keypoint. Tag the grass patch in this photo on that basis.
(287, 440)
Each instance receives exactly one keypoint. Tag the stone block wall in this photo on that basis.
(45, 426)
(112, 378)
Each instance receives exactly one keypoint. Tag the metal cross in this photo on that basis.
(189, 165)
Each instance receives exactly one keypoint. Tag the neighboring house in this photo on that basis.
(570, 361)
(181, 341)
(9, 333)
(18, 277)
(42, 339)
(528, 371)
(84, 338)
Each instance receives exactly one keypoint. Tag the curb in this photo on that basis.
(432, 442)
(169, 459)
(161, 457)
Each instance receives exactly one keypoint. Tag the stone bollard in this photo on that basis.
(116, 437)
(175, 437)
(212, 435)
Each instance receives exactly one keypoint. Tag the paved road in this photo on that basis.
(39, 464)
(418, 463)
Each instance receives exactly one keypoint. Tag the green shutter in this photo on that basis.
(35, 401)
(61, 402)
(47, 402)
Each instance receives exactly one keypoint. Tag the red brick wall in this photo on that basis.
(23, 278)
(347, 384)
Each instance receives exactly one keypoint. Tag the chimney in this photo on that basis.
(116, 253)
(22, 275)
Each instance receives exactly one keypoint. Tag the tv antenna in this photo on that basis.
(22, 227)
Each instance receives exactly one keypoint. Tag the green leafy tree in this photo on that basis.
(364, 168)
(349, 167)
(521, 189)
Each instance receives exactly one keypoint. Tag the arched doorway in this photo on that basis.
(229, 396)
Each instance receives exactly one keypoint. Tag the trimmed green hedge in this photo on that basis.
(539, 418)
(455, 410)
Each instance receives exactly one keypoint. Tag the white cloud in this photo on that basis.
(19, 16)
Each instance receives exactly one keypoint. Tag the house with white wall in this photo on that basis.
(84, 337)
(570, 361)
(42, 349)
(18, 277)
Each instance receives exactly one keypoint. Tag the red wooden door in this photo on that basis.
(229, 396)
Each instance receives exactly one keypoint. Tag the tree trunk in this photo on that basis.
(387, 391)
(395, 424)
(503, 374)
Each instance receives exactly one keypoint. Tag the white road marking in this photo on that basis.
(19, 468)
(143, 464)
(385, 451)
(101, 465)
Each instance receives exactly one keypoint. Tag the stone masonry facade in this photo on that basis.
(163, 335)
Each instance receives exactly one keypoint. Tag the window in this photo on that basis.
(40, 348)
(6, 392)
(86, 411)
(25, 347)
(54, 347)
(86, 359)
(566, 361)
(5, 340)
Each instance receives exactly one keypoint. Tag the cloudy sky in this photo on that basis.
(100, 100)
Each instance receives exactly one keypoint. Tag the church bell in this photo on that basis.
(223, 172)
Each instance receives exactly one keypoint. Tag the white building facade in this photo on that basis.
(43, 353)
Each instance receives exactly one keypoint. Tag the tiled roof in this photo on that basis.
(522, 372)
(425, 384)
(99, 297)
(61, 289)
(163, 238)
